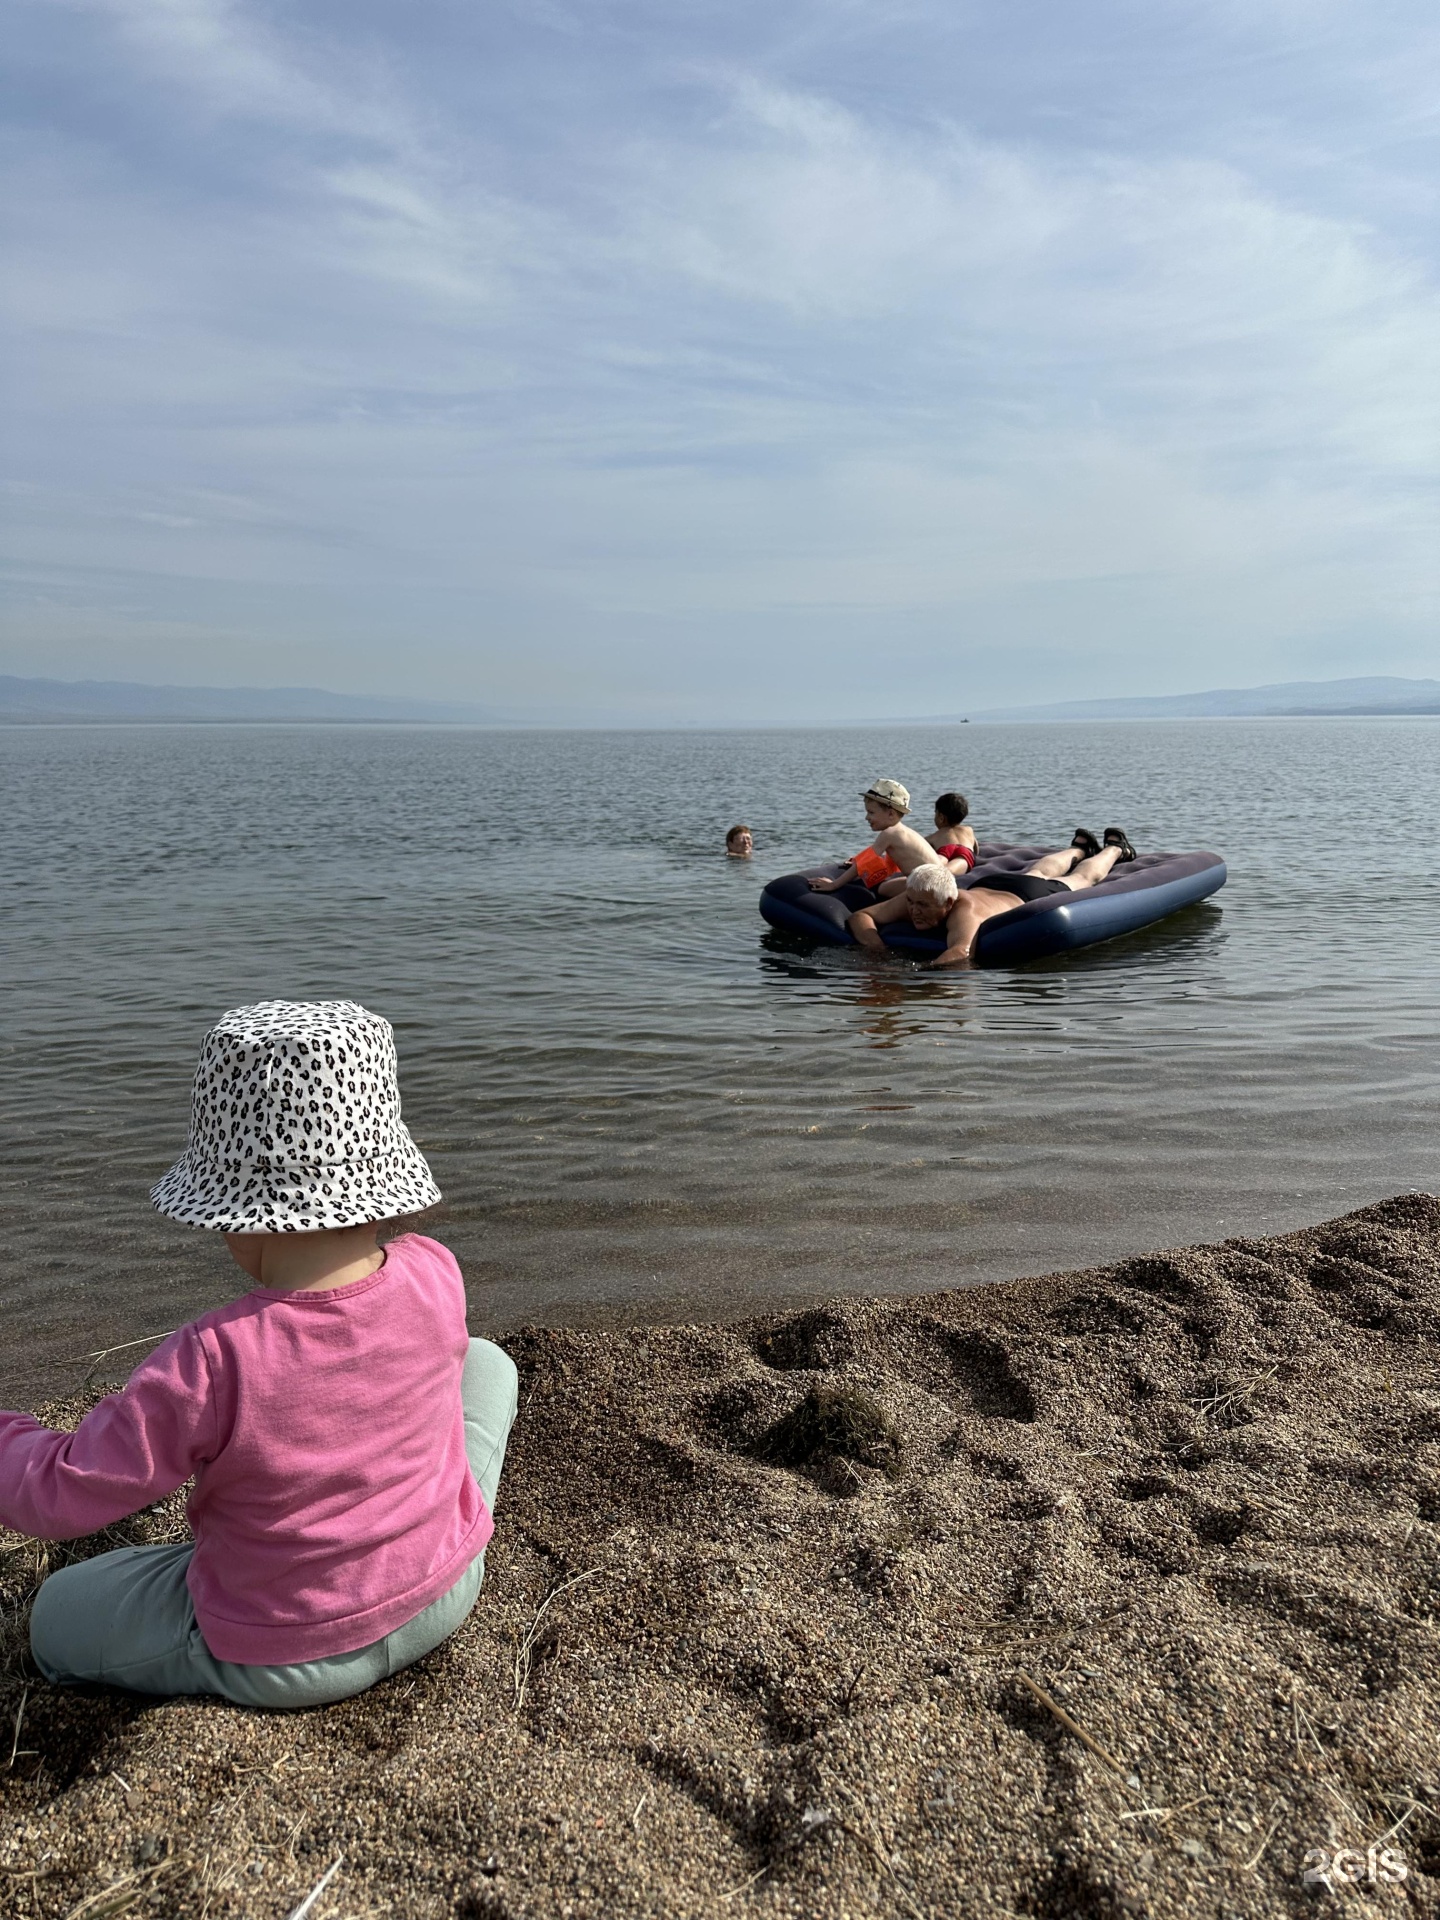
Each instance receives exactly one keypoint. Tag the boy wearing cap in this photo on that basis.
(896, 848)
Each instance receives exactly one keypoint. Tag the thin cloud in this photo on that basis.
(224, 59)
(757, 327)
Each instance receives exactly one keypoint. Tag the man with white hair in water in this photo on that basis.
(933, 897)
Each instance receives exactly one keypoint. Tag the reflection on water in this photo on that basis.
(639, 1099)
(889, 1010)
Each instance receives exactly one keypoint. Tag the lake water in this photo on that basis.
(638, 1100)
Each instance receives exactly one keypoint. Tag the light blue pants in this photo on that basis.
(126, 1619)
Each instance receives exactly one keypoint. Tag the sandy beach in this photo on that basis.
(1103, 1593)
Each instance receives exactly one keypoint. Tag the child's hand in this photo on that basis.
(824, 886)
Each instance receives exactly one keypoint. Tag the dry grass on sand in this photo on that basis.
(1105, 1594)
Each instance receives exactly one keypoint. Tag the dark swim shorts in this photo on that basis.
(1029, 886)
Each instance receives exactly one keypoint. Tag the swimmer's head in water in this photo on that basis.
(951, 809)
(931, 892)
(740, 843)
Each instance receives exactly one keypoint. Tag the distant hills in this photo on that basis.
(39, 701)
(1378, 694)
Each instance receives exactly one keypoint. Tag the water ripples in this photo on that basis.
(637, 1097)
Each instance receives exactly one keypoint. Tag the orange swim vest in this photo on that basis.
(873, 867)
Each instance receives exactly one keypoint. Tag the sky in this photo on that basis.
(669, 362)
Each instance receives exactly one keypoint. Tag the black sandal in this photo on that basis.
(1089, 846)
(1117, 837)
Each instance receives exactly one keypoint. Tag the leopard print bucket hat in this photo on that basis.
(295, 1125)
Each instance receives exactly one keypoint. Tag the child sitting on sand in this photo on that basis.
(896, 848)
(344, 1432)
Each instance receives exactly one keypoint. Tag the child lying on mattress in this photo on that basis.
(896, 849)
(953, 841)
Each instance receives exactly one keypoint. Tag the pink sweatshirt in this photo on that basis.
(333, 1498)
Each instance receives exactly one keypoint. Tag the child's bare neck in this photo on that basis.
(307, 1262)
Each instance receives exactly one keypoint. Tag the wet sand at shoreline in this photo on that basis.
(1104, 1593)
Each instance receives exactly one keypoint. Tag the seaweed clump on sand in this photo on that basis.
(829, 1433)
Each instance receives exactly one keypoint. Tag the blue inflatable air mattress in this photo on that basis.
(1141, 891)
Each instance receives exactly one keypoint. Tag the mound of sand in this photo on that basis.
(1104, 1594)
